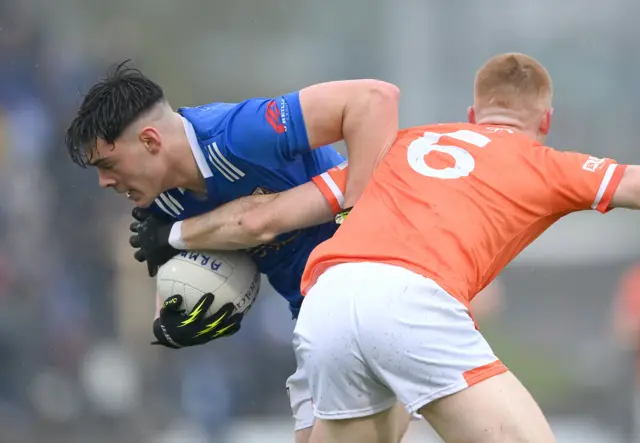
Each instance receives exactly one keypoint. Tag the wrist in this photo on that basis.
(175, 237)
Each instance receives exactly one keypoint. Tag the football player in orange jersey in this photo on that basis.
(387, 313)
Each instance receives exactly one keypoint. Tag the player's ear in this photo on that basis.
(150, 139)
(471, 115)
(545, 123)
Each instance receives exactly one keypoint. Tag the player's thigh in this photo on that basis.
(304, 436)
(496, 410)
(401, 419)
(381, 427)
(395, 424)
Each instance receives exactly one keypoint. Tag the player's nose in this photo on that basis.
(105, 181)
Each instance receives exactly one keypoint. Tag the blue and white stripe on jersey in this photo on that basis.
(222, 164)
(169, 204)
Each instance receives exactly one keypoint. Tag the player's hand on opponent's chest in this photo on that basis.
(151, 240)
(175, 328)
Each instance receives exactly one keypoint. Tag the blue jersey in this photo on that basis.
(257, 146)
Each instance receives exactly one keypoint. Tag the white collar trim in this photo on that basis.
(195, 149)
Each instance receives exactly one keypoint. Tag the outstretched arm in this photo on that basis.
(242, 223)
(255, 220)
(627, 195)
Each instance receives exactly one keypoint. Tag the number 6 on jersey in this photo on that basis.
(464, 162)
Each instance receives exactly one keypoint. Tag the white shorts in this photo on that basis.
(299, 394)
(300, 397)
(371, 334)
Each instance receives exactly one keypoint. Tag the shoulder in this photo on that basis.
(208, 119)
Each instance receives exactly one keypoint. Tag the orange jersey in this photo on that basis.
(457, 202)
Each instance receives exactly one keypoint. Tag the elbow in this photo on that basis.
(257, 230)
(384, 92)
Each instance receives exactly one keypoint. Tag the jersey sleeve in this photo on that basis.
(332, 184)
(269, 132)
(580, 181)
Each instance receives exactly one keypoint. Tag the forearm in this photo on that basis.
(627, 193)
(226, 227)
(256, 219)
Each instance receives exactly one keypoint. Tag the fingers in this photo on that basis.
(152, 268)
(134, 241)
(223, 314)
(140, 214)
(228, 326)
(173, 303)
(228, 330)
(235, 319)
(140, 255)
(204, 304)
(227, 319)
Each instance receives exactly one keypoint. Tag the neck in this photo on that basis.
(526, 121)
(512, 123)
(183, 167)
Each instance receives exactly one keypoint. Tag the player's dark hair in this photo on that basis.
(108, 109)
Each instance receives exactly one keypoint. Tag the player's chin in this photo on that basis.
(143, 203)
(139, 199)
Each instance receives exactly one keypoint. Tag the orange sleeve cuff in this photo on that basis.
(614, 181)
(332, 185)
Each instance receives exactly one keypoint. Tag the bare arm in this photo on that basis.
(627, 195)
(256, 219)
(362, 112)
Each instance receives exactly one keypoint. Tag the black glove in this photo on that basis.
(176, 329)
(151, 238)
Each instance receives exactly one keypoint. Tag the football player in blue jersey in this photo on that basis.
(243, 175)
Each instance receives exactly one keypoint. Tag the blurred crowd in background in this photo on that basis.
(76, 309)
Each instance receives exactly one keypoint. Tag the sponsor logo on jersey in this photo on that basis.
(593, 164)
(274, 117)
